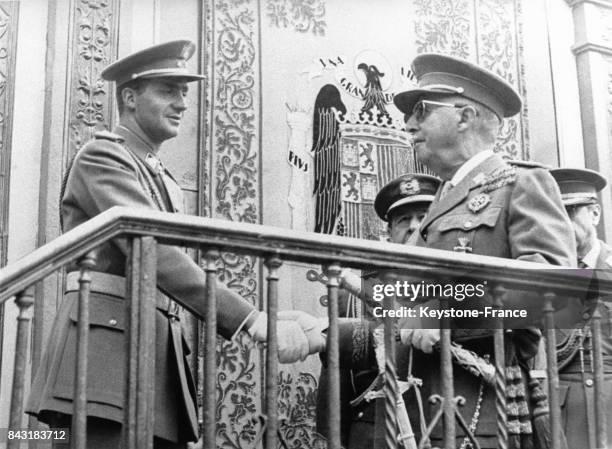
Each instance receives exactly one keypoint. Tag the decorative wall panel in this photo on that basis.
(497, 51)
(444, 26)
(229, 189)
(95, 29)
(304, 16)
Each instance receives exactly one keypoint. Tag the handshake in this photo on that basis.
(299, 334)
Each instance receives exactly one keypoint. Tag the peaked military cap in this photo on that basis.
(578, 185)
(167, 60)
(445, 75)
(407, 189)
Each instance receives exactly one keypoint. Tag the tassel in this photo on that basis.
(542, 434)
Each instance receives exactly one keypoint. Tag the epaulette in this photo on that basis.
(107, 135)
(527, 164)
(499, 178)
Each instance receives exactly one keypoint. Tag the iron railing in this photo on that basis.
(145, 229)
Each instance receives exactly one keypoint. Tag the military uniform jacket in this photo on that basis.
(112, 170)
(499, 209)
(576, 389)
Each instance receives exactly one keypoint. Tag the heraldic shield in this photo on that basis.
(371, 155)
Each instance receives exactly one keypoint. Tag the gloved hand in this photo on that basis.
(422, 339)
(293, 344)
(350, 281)
(312, 327)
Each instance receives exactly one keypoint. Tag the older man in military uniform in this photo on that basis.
(579, 189)
(402, 204)
(486, 206)
(122, 168)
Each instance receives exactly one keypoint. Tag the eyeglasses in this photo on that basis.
(420, 109)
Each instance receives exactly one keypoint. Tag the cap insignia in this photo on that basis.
(409, 187)
(479, 202)
(181, 63)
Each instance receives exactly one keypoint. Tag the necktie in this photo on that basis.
(173, 190)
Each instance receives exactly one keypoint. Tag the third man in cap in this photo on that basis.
(579, 189)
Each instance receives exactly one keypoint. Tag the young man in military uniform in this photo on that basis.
(486, 206)
(122, 168)
(579, 189)
(402, 204)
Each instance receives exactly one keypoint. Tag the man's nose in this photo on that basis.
(414, 225)
(179, 103)
(411, 124)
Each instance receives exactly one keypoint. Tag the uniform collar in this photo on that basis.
(140, 147)
(469, 165)
(474, 177)
(590, 259)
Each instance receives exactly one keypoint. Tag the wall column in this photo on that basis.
(593, 50)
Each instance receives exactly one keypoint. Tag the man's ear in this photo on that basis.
(129, 97)
(467, 116)
(595, 212)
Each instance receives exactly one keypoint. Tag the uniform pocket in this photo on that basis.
(469, 222)
(105, 354)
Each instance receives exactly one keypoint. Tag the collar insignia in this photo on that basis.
(153, 162)
(479, 202)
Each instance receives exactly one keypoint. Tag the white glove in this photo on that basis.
(312, 327)
(350, 281)
(293, 344)
(422, 339)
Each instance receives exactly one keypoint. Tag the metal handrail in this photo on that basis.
(191, 231)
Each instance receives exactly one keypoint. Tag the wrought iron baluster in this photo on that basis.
(210, 349)
(24, 301)
(598, 377)
(553, 374)
(79, 415)
(499, 293)
(140, 335)
(448, 389)
(273, 264)
(332, 272)
(391, 388)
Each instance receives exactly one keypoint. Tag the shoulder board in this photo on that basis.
(609, 261)
(499, 178)
(107, 135)
(526, 164)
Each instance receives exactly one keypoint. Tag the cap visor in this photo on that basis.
(178, 77)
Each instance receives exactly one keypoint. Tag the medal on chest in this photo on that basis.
(479, 202)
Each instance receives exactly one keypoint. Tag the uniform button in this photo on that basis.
(467, 224)
(588, 382)
(360, 415)
(112, 322)
(586, 316)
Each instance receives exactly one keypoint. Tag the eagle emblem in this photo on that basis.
(409, 187)
(479, 202)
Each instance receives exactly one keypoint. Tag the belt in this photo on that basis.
(114, 285)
